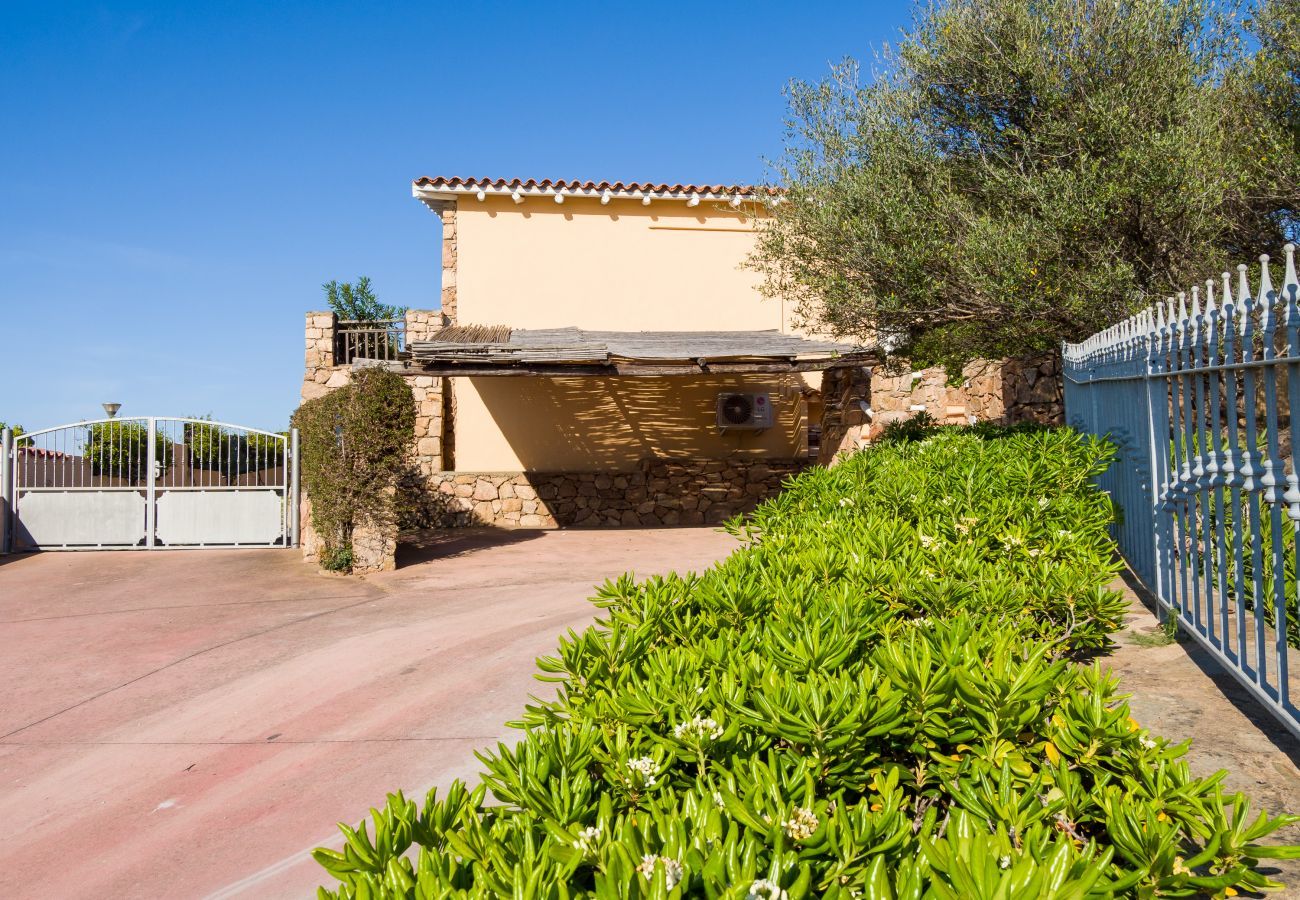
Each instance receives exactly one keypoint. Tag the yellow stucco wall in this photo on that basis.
(619, 267)
(609, 424)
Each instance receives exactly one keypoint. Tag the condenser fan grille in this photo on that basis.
(737, 409)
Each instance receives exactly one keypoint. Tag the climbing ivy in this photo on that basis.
(355, 443)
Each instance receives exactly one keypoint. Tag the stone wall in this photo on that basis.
(660, 492)
(446, 211)
(846, 398)
(318, 364)
(1005, 391)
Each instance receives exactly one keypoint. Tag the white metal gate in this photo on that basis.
(148, 483)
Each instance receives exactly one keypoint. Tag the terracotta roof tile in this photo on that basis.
(574, 186)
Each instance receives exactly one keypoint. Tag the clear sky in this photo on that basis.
(178, 178)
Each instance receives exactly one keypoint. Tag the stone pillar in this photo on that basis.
(446, 210)
(422, 324)
(427, 392)
(318, 364)
(846, 390)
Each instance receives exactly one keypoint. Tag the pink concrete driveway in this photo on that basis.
(191, 724)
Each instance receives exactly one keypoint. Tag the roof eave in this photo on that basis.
(520, 193)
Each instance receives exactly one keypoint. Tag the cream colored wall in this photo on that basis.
(515, 424)
(618, 267)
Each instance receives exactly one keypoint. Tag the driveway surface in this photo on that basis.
(192, 723)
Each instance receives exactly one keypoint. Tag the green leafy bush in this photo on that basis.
(354, 447)
(878, 695)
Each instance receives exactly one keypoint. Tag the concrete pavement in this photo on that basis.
(192, 723)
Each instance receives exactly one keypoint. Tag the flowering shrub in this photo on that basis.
(876, 696)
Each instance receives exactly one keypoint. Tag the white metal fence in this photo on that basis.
(1197, 393)
(148, 483)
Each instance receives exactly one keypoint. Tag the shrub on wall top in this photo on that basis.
(354, 443)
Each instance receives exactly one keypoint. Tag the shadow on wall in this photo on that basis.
(1032, 390)
(612, 424)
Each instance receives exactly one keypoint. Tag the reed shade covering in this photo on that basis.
(485, 347)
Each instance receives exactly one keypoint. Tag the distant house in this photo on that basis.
(602, 356)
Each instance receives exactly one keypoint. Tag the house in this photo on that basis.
(603, 355)
(592, 339)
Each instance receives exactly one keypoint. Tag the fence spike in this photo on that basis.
(1211, 310)
(1290, 287)
(1243, 297)
(1266, 294)
(1160, 316)
(1182, 308)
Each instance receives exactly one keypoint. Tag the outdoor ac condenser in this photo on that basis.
(752, 411)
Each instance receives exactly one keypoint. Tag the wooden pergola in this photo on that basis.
(479, 350)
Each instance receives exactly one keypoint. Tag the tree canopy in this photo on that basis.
(357, 302)
(1020, 172)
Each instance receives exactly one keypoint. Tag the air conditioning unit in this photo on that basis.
(751, 411)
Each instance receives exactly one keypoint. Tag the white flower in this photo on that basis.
(717, 798)
(1042, 502)
(1063, 533)
(801, 824)
(1147, 743)
(846, 501)
(1012, 540)
(698, 729)
(926, 541)
(763, 889)
(673, 870)
(646, 768)
(587, 839)
(1004, 862)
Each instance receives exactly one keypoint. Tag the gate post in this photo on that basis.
(151, 492)
(6, 487)
(294, 514)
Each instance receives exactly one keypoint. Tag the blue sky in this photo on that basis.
(177, 179)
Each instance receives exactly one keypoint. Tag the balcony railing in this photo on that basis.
(369, 339)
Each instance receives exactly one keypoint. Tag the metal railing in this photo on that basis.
(369, 339)
(1198, 400)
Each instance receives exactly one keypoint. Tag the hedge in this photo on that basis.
(878, 695)
(354, 448)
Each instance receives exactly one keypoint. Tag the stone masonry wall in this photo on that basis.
(446, 211)
(660, 492)
(845, 423)
(373, 548)
(1006, 391)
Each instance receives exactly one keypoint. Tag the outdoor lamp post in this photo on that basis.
(111, 408)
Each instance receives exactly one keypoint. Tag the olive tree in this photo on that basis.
(1018, 172)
